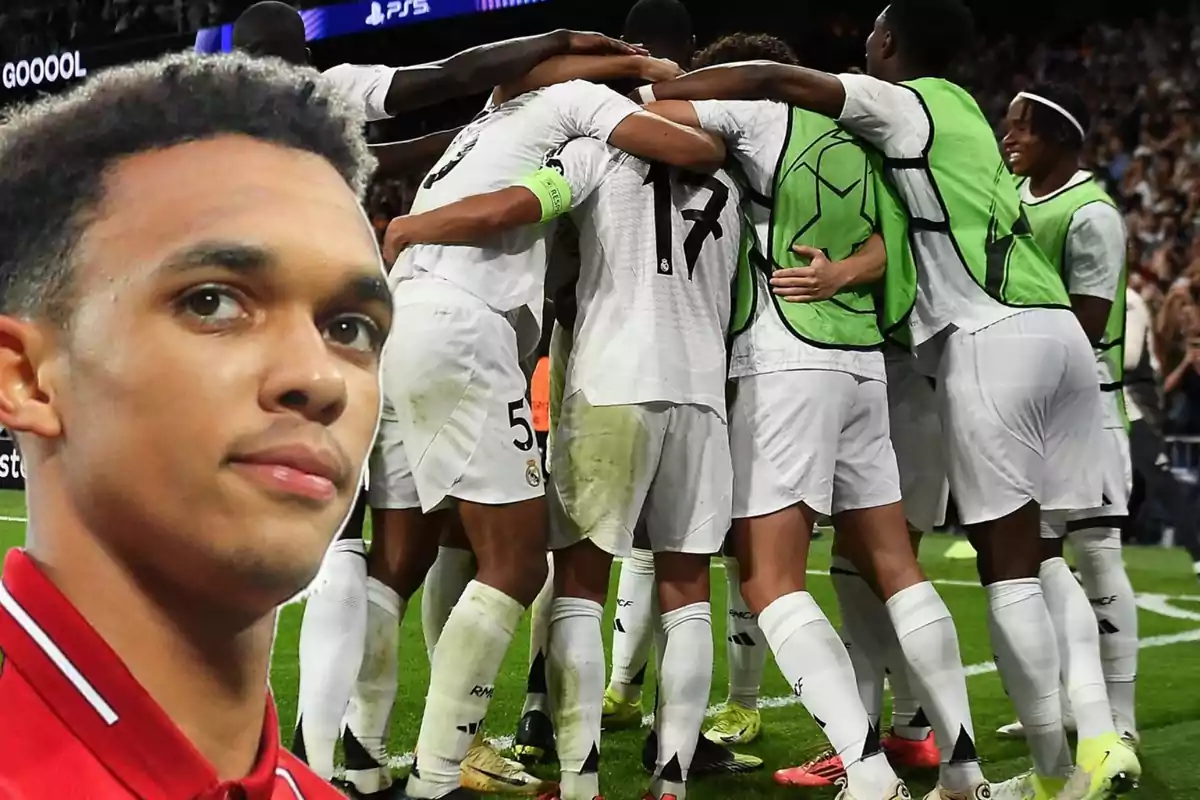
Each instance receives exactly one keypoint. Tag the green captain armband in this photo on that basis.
(552, 191)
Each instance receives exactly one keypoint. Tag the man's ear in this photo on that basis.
(26, 405)
(888, 48)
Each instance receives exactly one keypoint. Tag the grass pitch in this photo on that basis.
(1168, 686)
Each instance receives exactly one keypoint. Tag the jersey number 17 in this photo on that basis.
(705, 221)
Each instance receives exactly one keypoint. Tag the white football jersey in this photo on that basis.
(502, 146)
(658, 252)
(366, 86)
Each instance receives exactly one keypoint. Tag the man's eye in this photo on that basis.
(213, 304)
(355, 332)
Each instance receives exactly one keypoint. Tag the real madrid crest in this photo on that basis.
(533, 473)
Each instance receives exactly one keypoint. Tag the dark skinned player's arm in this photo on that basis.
(412, 155)
(479, 69)
(759, 80)
(596, 69)
(1092, 313)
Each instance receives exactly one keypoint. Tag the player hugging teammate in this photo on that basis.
(896, 315)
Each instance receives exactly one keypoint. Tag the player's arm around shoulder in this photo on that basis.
(756, 80)
(654, 138)
(598, 68)
(567, 177)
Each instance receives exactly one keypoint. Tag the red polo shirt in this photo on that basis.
(74, 723)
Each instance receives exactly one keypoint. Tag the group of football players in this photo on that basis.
(783, 295)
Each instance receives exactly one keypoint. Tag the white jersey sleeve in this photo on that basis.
(1095, 251)
(583, 162)
(889, 116)
(365, 86)
(1137, 328)
(588, 109)
(754, 130)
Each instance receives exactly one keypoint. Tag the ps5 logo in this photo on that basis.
(396, 9)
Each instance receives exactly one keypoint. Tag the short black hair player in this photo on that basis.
(1079, 228)
(983, 293)
(192, 376)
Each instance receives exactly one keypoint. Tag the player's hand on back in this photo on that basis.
(396, 239)
(656, 70)
(820, 280)
(597, 44)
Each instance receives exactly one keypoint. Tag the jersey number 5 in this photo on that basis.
(705, 221)
(516, 410)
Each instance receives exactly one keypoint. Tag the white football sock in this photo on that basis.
(632, 625)
(462, 679)
(576, 675)
(745, 646)
(908, 718)
(866, 631)
(683, 691)
(444, 584)
(1078, 648)
(1027, 658)
(332, 635)
(930, 644)
(1098, 557)
(369, 716)
(536, 693)
(815, 663)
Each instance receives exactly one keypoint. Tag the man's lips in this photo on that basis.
(295, 469)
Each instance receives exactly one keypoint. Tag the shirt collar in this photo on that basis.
(86, 685)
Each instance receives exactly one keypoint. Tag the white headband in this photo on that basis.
(1037, 98)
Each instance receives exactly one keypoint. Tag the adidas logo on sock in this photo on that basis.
(471, 728)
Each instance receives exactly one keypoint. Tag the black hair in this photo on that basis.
(930, 34)
(663, 26)
(54, 153)
(745, 47)
(1049, 123)
(271, 28)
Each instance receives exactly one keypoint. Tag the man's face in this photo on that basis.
(218, 388)
(877, 42)
(1024, 150)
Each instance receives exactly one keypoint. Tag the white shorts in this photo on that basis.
(452, 372)
(1118, 485)
(390, 483)
(917, 439)
(1022, 417)
(816, 437)
(614, 463)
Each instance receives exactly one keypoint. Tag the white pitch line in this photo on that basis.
(503, 743)
(13, 519)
